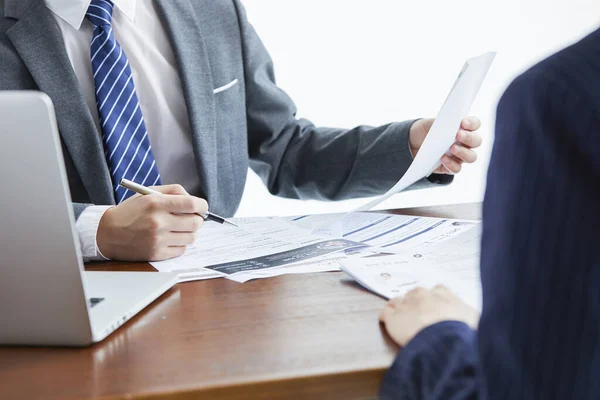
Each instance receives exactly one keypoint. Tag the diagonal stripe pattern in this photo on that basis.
(126, 143)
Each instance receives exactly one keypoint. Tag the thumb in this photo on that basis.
(427, 123)
(386, 313)
(419, 130)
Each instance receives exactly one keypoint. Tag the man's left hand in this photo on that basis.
(462, 151)
(404, 317)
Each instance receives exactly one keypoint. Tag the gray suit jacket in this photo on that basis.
(252, 124)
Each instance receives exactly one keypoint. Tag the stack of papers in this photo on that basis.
(267, 247)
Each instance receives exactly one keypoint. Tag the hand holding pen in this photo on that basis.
(136, 187)
(148, 228)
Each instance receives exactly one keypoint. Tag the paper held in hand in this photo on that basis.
(442, 134)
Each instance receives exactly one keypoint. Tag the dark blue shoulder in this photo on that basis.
(570, 74)
(556, 104)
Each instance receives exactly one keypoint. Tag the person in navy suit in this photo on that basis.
(539, 332)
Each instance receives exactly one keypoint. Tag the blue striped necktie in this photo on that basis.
(126, 143)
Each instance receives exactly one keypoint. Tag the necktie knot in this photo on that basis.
(100, 12)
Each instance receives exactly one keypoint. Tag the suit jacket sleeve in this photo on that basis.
(540, 326)
(79, 208)
(298, 160)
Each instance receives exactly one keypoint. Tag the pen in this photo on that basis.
(141, 189)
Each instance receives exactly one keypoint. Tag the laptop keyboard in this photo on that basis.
(94, 301)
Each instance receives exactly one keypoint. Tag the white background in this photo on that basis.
(354, 62)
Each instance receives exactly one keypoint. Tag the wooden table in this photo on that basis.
(310, 336)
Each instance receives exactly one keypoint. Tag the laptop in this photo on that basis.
(46, 297)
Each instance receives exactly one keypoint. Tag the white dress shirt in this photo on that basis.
(137, 28)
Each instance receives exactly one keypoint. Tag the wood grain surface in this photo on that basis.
(312, 336)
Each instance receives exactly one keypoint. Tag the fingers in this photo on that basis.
(471, 123)
(469, 139)
(451, 164)
(463, 154)
(180, 239)
(171, 189)
(395, 305)
(179, 200)
(442, 170)
(183, 222)
(460, 154)
(178, 204)
(167, 253)
(169, 245)
(186, 204)
(391, 307)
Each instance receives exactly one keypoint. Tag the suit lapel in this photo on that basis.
(188, 45)
(38, 41)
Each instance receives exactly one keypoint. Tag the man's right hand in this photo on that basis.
(151, 228)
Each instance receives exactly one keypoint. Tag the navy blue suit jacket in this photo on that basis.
(539, 333)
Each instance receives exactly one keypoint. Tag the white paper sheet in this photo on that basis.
(442, 134)
(459, 255)
(454, 263)
(257, 243)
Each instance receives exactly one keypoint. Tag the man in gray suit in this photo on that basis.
(204, 83)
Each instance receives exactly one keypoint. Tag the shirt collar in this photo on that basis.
(73, 11)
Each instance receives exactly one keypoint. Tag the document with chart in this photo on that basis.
(377, 232)
(386, 232)
(267, 247)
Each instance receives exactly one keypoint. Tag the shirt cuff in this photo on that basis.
(87, 228)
